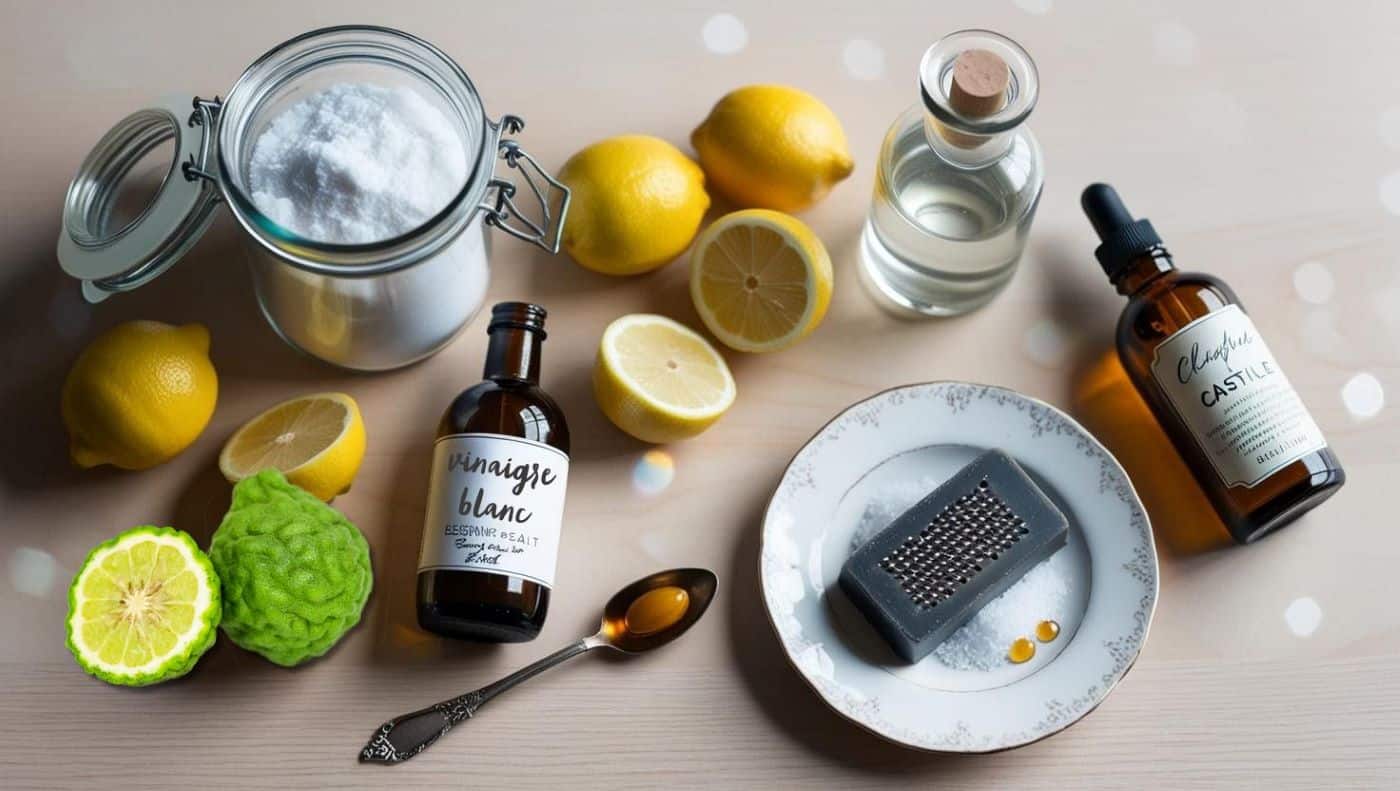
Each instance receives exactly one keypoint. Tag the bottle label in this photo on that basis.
(495, 504)
(1230, 392)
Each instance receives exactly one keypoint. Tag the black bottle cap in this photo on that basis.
(521, 315)
(1123, 238)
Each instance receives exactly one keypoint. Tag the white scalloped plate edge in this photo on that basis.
(1108, 650)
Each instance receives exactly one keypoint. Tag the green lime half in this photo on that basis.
(144, 607)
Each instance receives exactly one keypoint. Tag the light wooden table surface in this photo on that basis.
(1263, 139)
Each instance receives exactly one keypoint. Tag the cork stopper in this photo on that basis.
(978, 89)
(980, 80)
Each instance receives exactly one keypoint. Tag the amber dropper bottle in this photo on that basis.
(496, 494)
(1199, 363)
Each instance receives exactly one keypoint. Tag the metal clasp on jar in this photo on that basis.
(505, 214)
(199, 164)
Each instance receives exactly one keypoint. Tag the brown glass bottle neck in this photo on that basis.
(1143, 270)
(513, 353)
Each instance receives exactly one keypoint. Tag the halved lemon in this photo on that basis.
(316, 441)
(144, 607)
(658, 380)
(760, 279)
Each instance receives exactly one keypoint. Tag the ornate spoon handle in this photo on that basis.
(407, 735)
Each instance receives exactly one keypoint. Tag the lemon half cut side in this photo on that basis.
(660, 381)
(760, 280)
(316, 441)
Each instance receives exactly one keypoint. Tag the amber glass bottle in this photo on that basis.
(496, 496)
(1198, 361)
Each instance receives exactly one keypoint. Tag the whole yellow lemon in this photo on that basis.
(139, 394)
(636, 205)
(772, 147)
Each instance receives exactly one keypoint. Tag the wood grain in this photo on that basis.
(1212, 119)
(603, 724)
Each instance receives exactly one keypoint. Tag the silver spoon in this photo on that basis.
(407, 735)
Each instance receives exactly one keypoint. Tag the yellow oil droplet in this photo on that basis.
(1021, 650)
(656, 610)
(1045, 631)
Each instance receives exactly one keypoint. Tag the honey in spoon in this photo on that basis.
(656, 610)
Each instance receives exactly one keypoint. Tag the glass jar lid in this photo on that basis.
(119, 230)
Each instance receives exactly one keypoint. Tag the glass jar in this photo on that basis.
(369, 307)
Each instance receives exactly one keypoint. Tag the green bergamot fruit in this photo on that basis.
(295, 572)
(143, 608)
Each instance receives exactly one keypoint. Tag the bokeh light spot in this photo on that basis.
(653, 472)
(33, 571)
(724, 34)
(1363, 395)
(1303, 616)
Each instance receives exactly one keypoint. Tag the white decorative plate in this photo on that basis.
(883, 454)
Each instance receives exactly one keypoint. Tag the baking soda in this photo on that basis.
(357, 163)
(981, 643)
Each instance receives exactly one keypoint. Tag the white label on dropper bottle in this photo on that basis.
(1224, 383)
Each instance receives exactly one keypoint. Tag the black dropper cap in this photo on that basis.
(1123, 238)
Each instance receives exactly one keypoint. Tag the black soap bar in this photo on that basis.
(954, 551)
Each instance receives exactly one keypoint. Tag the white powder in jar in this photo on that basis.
(357, 163)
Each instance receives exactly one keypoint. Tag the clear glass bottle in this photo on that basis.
(958, 181)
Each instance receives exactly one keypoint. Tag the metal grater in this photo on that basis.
(970, 532)
(955, 550)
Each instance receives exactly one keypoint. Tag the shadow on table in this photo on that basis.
(393, 609)
(204, 500)
(1183, 521)
(592, 436)
(45, 323)
(1086, 308)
